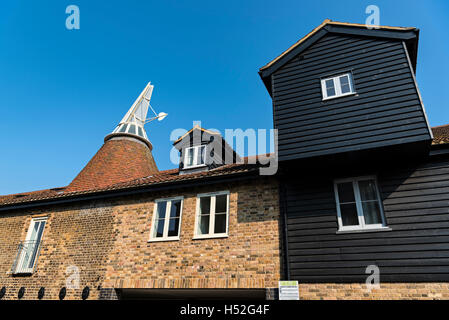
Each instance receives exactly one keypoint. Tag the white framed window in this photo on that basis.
(166, 222)
(358, 204)
(337, 86)
(212, 215)
(195, 157)
(28, 250)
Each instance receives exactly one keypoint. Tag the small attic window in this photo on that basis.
(337, 86)
(194, 157)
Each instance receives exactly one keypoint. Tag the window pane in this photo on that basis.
(189, 157)
(349, 214)
(371, 212)
(35, 245)
(205, 205)
(175, 209)
(344, 84)
(204, 224)
(132, 129)
(34, 231)
(27, 251)
(173, 227)
(220, 223)
(159, 228)
(367, 190)
(161, 208)
(201, 154)
(220, 203)
(140, 131)
(41, 230)
(123, 128)
(330, 89)
(346, 192)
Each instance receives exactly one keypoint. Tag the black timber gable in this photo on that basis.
(217, 153)
(386, 111)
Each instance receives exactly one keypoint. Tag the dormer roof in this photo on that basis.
(196, 127)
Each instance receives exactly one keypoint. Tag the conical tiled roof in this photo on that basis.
(118, 160)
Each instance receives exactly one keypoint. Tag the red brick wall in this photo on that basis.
(248, 258)
(73, 236)
(107, 242)
(387, 291)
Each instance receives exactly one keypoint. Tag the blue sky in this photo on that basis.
(62, 91)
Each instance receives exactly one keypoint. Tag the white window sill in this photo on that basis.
(164, 239)
(210, 236)
(360, 230)
(340, 96)
(22, 273)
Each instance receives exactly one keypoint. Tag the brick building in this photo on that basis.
(124, 229)
(363, 177)
(362, 181)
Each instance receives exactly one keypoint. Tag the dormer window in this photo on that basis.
(337, 86)
(195, 157)
(202, 150)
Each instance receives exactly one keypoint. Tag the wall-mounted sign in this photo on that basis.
(288, 290)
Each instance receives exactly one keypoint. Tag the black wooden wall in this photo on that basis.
(386, 110)
(416, 206)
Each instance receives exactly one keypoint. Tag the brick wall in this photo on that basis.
(387, 291)
(108, 242)
(248, 258)
(74, 236)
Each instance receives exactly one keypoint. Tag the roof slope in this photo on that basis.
(118, 160)
(323, 24)
(409, 35)
(162, 177)
(440, 134)
(196, 127)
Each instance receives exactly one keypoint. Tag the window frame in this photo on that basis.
(165, 236)
(195, 156)
(360, 215)
(19, 269)
(337, 86)
(213, 196)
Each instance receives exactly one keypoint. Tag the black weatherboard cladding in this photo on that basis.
(385, 111)
(416, 205)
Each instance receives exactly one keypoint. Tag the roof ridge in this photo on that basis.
(193, 128)
(31, 192)
(319, 27)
